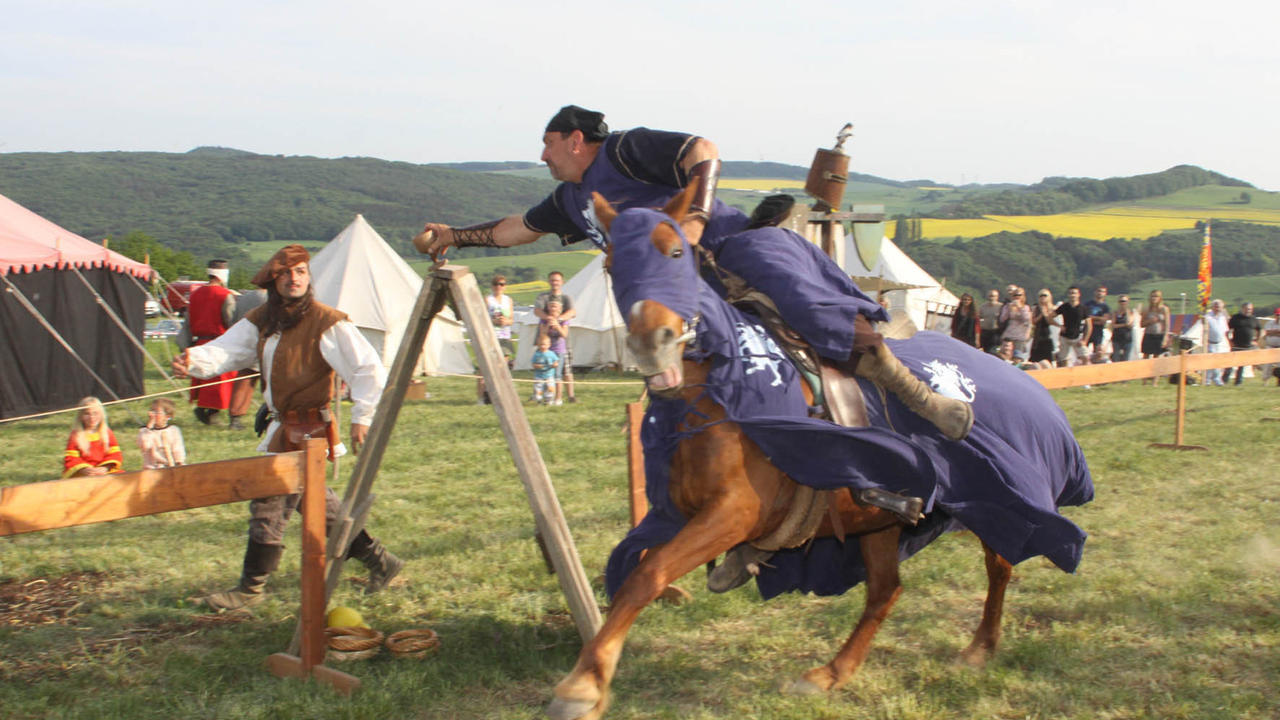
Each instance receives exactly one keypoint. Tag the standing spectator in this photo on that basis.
(567, 312)
(557, 332)
(964, 323)
(1245, 330)
(1215, 322)
(1271, 339)
(159, 440)
(1076, 329)
(92, 448)
(1016, 319)
(1043, 317)
(301, 343)
(1099, 313)
(1156, 321)
(544, 371)
(502, 313)
(210, 311)
(989, 321)
(1122, 324)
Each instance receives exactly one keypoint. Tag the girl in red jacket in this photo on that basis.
(92, 448)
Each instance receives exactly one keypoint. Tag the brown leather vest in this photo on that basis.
(300, 377)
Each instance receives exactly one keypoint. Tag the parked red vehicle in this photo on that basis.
(178, 294)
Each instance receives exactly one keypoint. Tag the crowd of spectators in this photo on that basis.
(1071, 332)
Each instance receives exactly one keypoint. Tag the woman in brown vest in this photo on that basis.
(299, 343)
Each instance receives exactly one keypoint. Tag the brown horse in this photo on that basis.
(731, 493)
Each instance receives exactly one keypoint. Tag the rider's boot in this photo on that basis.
(259, 562)
(383, 566)
(953, 417)
(741, 563)
(771, 212)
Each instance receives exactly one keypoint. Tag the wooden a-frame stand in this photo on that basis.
(458, 282)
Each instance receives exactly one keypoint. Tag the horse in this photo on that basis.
(718, 478)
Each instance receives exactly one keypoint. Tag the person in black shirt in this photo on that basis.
(1244, 328)
(1076, 328)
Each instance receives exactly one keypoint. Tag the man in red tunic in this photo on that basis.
(209, 314)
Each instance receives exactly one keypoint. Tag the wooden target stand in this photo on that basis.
(457, 282)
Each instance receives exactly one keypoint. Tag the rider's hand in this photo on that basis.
(434, 240)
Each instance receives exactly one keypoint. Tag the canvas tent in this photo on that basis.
(43, 303)
(918, 293)
(359, 274)
(597, 333)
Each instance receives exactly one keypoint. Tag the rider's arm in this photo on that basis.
(506, 232)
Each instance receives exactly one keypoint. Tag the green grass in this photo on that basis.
(1172, 613)
(1261, 290)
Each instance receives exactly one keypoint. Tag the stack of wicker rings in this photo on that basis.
(413, 643)
(355, 643)
(352, 643)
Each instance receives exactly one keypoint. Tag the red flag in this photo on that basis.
(1204, 288)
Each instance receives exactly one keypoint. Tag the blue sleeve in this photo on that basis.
(549, 216)
(652, 156)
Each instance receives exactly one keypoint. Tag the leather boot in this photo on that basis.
(740, 564)
(383, 566)
(259, 562)
(953, 417)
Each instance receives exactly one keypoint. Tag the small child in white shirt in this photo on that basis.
(161, 442)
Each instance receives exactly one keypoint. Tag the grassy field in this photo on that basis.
(1261, 290)
(1172, 614)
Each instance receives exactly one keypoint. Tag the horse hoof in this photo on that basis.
(562, 709)
(802, 687)
(974, 657)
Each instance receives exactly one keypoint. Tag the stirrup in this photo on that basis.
(906, 507)
(740, 564)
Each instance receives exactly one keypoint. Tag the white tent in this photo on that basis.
(359, 274)
(922, 296)
(597, 334)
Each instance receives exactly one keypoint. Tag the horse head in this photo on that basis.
(656, 283)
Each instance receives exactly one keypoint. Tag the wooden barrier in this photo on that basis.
(87, 500)
(1179, 365)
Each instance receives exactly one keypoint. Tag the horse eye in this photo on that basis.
(675, 252)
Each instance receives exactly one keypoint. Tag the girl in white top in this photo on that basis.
(159, 441)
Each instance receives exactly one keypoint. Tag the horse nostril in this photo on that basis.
(664, 336)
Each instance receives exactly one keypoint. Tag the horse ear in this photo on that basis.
(604, 211)
(678, 206)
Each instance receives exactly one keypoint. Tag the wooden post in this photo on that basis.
(313, 595)
(1181, 411)
(635, 463)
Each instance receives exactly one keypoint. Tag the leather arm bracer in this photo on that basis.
(704, 176)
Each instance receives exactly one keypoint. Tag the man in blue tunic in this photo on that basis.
(646, 168)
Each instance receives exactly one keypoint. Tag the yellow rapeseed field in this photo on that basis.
(1120, 221)
(764, 184)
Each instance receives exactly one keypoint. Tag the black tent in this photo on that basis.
(57, 343)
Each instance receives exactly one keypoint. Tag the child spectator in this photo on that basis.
(556, 330)
(160, 442)
(545, 363)
(92, 448)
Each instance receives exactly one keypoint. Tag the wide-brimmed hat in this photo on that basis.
(285, 258)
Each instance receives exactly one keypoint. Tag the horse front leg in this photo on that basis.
(880, 556)
(584, 693)
(987, 636)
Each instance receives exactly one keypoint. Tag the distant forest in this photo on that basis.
(1057, 195)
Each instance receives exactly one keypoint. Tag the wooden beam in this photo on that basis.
(85, 500)
(314, 599)
(524, 451)
(1154, 367)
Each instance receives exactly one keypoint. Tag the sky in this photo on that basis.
(983, 91)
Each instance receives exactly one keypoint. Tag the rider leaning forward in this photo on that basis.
(646, 168)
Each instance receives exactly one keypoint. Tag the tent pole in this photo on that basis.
(613, 330)
(123, 328)
(22, 299)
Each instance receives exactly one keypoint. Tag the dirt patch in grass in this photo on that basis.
(46, 601)
(40, 602)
